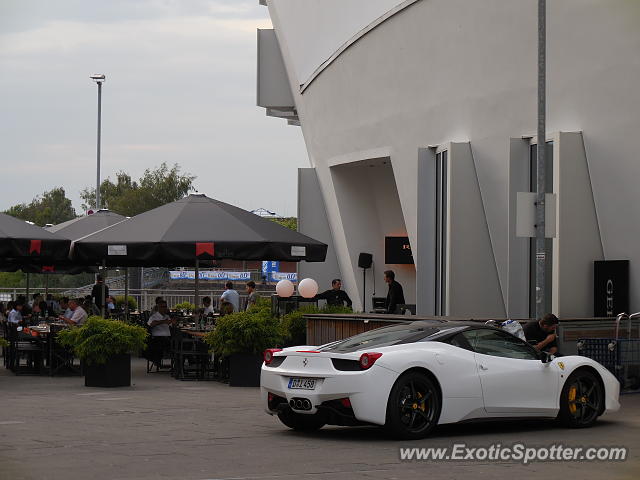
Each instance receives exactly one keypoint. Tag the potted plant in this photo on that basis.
(186, 307)
(241, 338)
(133, 305)
(105, 348)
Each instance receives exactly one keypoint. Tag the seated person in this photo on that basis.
(543, 333)
(160, 340)
(65, 311)
(79, 315)
(207, 307)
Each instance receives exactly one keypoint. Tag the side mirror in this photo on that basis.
(546, 357)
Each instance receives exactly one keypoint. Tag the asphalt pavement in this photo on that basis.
(161, 428)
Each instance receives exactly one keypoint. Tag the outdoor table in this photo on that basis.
(47, 338)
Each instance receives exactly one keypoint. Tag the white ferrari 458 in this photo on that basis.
(411, 377)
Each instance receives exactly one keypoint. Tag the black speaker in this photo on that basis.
(365, 260)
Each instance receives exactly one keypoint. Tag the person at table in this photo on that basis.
(97, 294)
(231, 296)
(15, 315)
(542, 334)
(79, 315)
(111, 306)
(52, 306)
(207, 308)
(159, 323)
(252, 295)
(335, 296)
(395, 295)
(65, 311)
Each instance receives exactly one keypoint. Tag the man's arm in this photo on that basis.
(346, 298)
(551, 338)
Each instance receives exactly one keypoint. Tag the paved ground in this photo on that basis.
(161, 428)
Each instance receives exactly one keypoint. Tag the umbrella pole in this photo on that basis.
(46, 285)
(196, 300)
(104, 285)
(27, 294)
(126, 294)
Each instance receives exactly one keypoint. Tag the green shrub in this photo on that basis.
(98, 339)
(250, 332)
(293, 326)
(133, 305)
(188, 306)
(3, 342)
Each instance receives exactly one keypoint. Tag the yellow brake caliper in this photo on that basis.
(572, 399)
(423, 406)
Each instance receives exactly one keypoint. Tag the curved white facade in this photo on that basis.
(460, 77)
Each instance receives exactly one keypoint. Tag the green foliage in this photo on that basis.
(252, 331)
(289, 222)
(98, 339)
(50, 207)
(156, 187)
(188, 306)
(293, 326)
(12, 279)
(38, 281)
(3, 342)
(120, 302)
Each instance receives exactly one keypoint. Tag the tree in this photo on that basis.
(289, 222)
(127, 197)
(51, 207)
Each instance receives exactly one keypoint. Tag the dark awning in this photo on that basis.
(22, 241)
(195, 227)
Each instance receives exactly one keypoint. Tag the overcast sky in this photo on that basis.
(180, 88)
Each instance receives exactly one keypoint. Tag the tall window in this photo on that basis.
(441, 232)
(533, 187)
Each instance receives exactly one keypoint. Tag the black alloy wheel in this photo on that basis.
(581, 400)
(414, 406)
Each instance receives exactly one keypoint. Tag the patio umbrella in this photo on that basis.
(23, 242)
(194, 229)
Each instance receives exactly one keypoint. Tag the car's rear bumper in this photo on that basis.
(366, 390)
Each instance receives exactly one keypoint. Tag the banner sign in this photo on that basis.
(116, 250)
(270, 266)
(610, 288)
(277, 276)
(397, 250)
(218, 275)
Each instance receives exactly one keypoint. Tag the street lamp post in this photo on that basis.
(541, 171)
(98, 78)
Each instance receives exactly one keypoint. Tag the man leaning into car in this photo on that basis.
(542, 334)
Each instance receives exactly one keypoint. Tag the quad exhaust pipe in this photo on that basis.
(300, 404)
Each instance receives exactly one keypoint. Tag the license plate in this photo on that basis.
(302, 383)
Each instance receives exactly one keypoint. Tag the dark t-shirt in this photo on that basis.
(335, 297)
(96, 294)
(532, 331)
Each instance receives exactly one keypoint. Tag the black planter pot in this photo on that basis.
(115, 373)
(244, 370)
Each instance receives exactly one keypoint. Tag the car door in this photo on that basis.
(513, 379)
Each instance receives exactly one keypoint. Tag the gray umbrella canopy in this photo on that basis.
(195, 228)
(83, 226)
(21, 241)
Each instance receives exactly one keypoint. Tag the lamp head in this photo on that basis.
(97, 77)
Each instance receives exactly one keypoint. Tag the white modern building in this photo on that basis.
(419, 118)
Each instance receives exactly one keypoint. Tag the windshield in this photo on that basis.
(382, 337)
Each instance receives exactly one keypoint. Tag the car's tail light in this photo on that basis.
(346, 402)
(368, 359)
(268, 355)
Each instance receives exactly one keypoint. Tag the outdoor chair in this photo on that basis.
(27, 349)
(191, 359)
